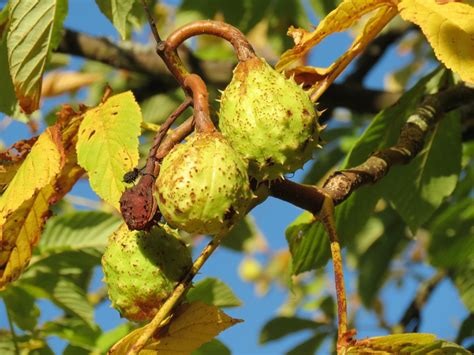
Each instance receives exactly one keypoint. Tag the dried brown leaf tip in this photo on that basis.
(138, 206)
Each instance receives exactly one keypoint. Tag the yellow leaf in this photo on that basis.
(20, 233)
(108, 144)
(340, 19)
(22, 220)
(319, 79)
(407, 343)
(450, 30)
(59, 82)
(38, 170)
(196, 324)
(192, 325)
(11, 159)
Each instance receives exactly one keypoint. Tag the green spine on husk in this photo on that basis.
(268, 119)
(142, 268)
(203, 186)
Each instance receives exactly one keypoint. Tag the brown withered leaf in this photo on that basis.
(340, 19)
(11, 159)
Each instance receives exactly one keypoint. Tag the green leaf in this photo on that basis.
(281, 15)
(466, 329)
(328, 307)
(246, 14)
(33, 32)
(311, 248)
(466, 178)
(107, 145)
(452, 246)
(464, 281)
(77, 231)
(375, 262)
(322, 165)
(75, 350)
(72, 245)
(280, 327)
(245, 236)
(213, 292)
(236, 13)
(323, 7)
(25, 343)
(452, 238)
(21, 307)
(7, 345)
(419, 188)
(8, 100)
(409, 343)
(214, 347)
(3, 21)
(117, 12)
(43, 350)
(73, 264)
(309, 346)
(59, 17)
(75, 331)
(61, 291)
(158, 107)
(105, 341)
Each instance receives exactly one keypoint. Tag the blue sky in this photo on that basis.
(442, 314)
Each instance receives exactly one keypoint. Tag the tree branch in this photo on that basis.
(143, 59)
(126, 56)
(410, 142)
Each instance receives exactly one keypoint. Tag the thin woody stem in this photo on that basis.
(197, 87)
(307, 197)
(169, 57)
(174, 298)
(319, 203)
(151, 160)
(327, 218)
(243, 48)
(167, 50)
(175, 137)
(192, 84)
(152, 22)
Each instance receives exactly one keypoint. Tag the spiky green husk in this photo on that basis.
(141, 269)
(203, 186)
(268, 119)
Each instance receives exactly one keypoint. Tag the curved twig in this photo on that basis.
(234, 36)
(151, 159)
(198, 89)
